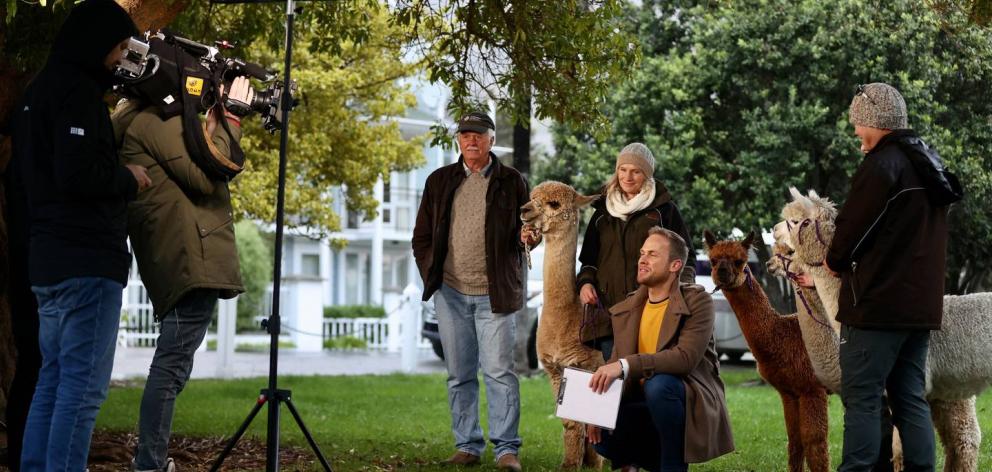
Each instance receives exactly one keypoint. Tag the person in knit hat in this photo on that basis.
(876, 110)
(72, 192)
(632, 202)
(888, 249)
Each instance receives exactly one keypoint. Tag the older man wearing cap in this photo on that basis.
(889, 249)
(467, 244)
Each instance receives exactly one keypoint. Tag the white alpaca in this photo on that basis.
(958, 368)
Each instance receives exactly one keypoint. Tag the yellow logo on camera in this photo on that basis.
(194, 86)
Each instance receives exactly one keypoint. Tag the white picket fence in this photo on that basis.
(137, 325)
(374, 331)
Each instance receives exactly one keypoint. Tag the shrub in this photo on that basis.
(354, 311)
(345, 342)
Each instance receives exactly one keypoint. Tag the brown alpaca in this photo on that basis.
(776, 343)
(553, 210)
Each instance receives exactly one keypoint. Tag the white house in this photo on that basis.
(377, 262)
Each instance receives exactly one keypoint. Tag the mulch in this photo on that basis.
(112, 451)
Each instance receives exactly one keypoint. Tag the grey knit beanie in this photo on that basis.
(639, 155)
(878, 105)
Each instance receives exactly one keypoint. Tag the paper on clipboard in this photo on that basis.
(577, 402)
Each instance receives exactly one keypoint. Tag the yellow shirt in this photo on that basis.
(651, 317)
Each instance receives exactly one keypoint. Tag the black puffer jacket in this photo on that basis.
(76, 190)
(611, 248)
(890, 244)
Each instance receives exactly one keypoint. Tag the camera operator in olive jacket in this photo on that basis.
(182, 233)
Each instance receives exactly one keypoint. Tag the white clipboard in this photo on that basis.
(577, 402)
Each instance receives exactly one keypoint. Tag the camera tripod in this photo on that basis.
(274, 396)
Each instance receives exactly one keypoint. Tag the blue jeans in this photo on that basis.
(650, 430)
(181, 332)
(77, 335)
(874, 361)
(472, 335)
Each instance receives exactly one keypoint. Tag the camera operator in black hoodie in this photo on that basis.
(75, 192)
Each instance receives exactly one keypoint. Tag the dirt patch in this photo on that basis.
(112, 451)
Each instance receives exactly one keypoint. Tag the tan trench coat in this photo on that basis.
(685, 348)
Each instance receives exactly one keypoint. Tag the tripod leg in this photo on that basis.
(241, 431)
(306, 433)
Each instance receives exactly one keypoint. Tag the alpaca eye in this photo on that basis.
(554, 205)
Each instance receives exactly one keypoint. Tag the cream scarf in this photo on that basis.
(618, 205)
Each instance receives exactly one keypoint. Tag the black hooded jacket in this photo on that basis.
(65, 174)
(890, 243)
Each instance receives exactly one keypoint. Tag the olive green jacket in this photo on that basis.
(181, 228)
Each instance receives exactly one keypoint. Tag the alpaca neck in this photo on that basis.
(821, 342)
(559, 270)
(828, 288)
(754, 313)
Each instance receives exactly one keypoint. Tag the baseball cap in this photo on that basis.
(476, 122)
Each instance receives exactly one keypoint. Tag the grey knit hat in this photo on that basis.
(878, 105)
(639, 155)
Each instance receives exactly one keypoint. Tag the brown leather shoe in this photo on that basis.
(508, 462)
(462, 458)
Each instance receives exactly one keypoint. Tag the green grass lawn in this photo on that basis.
(402, 421)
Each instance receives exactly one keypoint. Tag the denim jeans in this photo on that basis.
(472, 335)
(78, 320)
(874, 361)
(180, 333)
(604, 345)
(650, 430)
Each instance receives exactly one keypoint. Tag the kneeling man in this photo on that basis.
(673, 409)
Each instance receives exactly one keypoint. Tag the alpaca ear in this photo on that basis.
(813, 195)
(748, 241)
(582, 201)
(807, 204)
(796, 196)
(709, 238)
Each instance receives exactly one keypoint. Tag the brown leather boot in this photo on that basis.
(508, 462)
(462, 458)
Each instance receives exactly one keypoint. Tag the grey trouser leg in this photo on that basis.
(180, 334)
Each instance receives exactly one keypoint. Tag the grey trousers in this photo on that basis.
(892, 361)
(181, 331)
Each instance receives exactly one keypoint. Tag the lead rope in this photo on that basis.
(527, 248)
(799, 290)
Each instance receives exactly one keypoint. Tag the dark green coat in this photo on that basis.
(611, 248)
(181, 228)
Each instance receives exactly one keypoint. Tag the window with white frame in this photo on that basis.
(310, 265)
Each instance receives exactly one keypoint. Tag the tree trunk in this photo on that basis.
(147, 15)
(521, 139)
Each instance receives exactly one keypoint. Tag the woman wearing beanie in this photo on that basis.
(633, 201)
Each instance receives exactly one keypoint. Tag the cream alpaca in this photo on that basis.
(553, 210)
